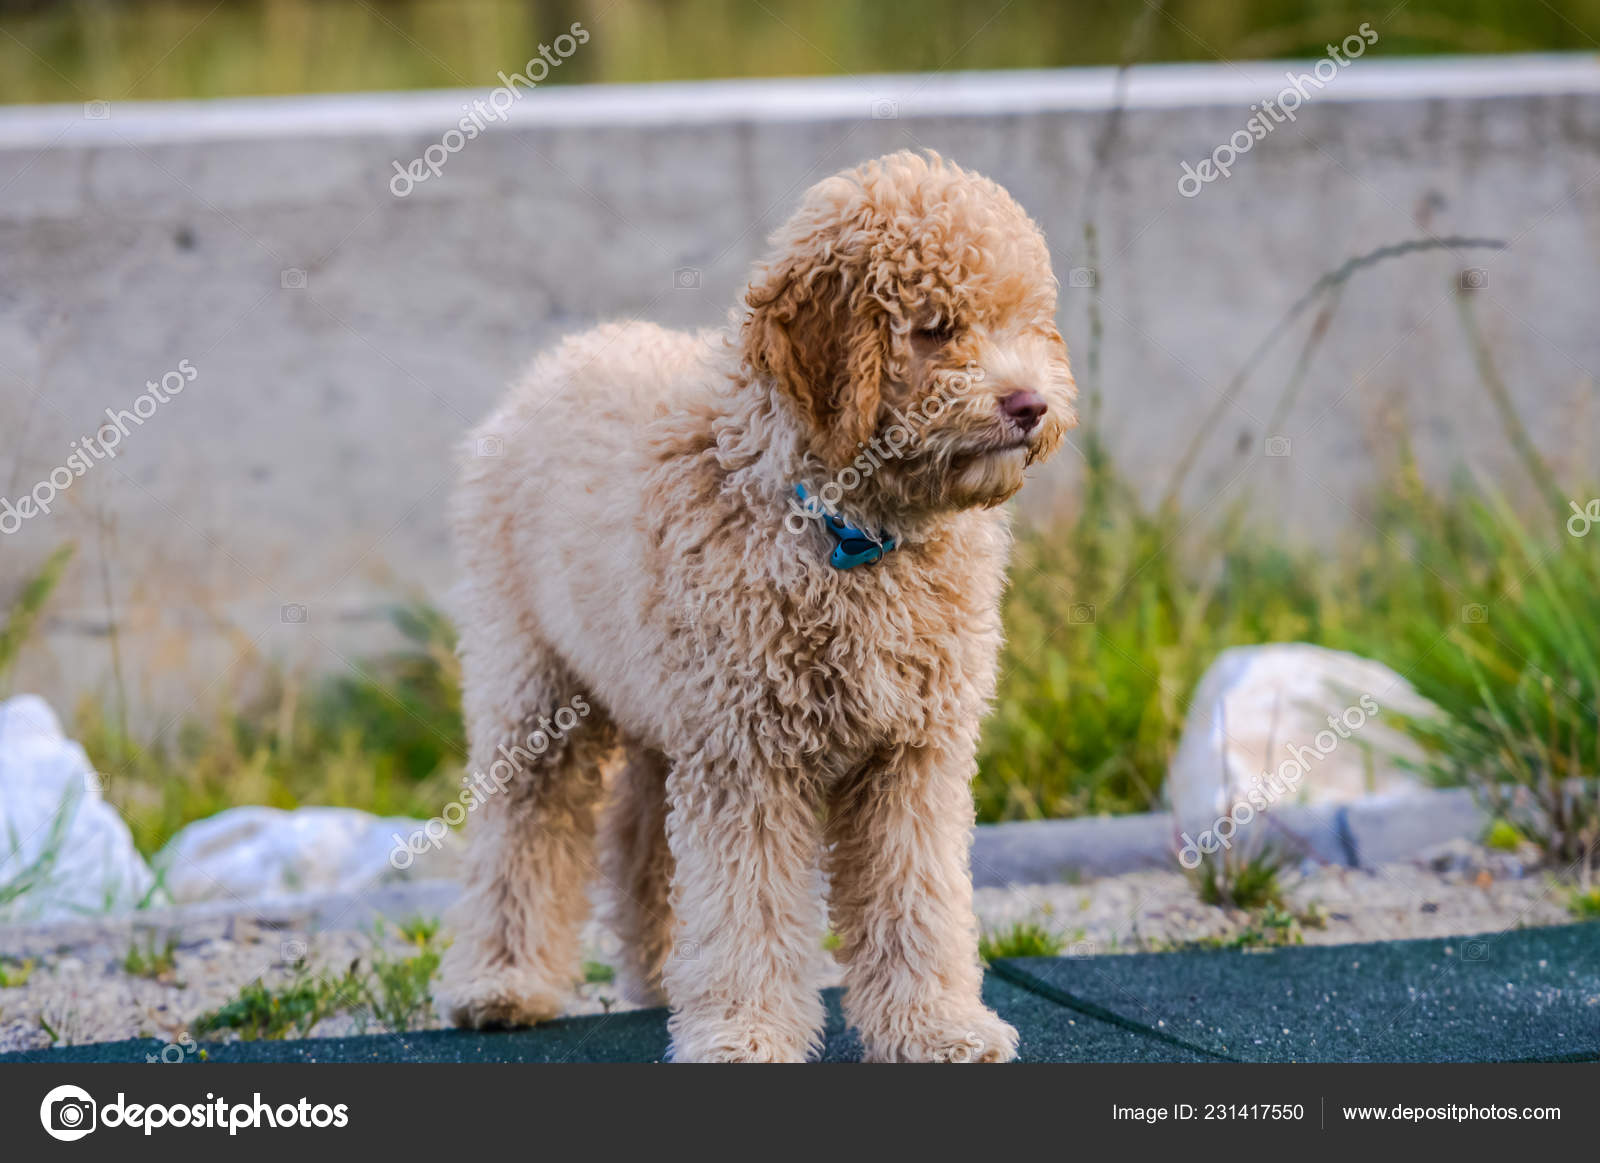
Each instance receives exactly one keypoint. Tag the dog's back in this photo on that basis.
(556, 473)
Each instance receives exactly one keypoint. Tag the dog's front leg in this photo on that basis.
(743, 976)
(900, 894)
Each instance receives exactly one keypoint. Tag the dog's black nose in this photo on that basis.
(1026, 408)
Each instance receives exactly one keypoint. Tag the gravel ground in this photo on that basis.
(75, 986)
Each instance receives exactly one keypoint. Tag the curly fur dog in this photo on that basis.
(652, 617)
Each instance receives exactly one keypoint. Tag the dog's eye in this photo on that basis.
(941, 334)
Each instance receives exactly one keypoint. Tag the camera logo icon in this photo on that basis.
(686, 279)
(97, 110)
(1475, 614)
(1474, 950)
(687, 951)
(293, 614)
(1082, 277)
(293, 279)
(884, 109)
(1279, 446)
(68, 1113)
(1081, 614)
(491, 446)
(1473, 279)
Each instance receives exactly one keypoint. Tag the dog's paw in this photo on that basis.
(498, 1001)
(752, 1050)
(936, 1036)
(730, 1042)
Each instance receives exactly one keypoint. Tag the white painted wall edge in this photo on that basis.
(805, 99)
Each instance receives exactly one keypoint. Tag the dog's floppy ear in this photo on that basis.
(821, 335)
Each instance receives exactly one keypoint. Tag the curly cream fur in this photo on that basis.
(780, 724)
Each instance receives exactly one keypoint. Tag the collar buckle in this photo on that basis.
(855, 546)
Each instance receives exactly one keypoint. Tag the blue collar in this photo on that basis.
(855, 546)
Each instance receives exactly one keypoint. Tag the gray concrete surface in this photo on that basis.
(1364, 834)
(342, 337)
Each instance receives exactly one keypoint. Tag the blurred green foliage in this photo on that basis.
(80, 50)
(385, 736)
(1023, 939)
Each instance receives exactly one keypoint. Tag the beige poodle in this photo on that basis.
(744, 586)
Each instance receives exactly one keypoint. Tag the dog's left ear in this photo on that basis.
(816, 329)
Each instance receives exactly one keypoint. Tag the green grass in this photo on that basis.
(1270, 926)
(26, 607)
(197, 48)
(386, 738)
(419, 931)
(147, 958)
(1024, 939)
(1493, 613)
(396, 992)
(1584, 904)
(276, 1011)
(1111, 619)
(27, 877)
(14, 973)
(1503, 837)
(1518, 675)
(392, 990)
(1246, 884)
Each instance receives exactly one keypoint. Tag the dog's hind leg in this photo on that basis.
(537, 748)
(638, 873)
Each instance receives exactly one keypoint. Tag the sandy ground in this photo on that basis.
(74, 985)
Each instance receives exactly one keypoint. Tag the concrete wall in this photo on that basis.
(341, 338)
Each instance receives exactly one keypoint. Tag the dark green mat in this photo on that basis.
(1051, 1033)
(1530, 995)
